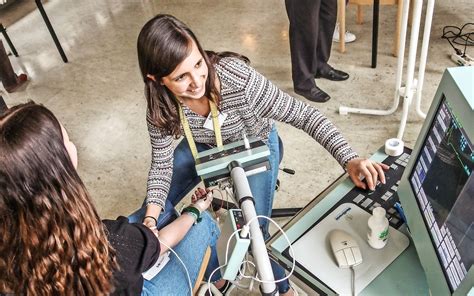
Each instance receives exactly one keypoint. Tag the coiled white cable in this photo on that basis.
(289, 244)
(249, 262)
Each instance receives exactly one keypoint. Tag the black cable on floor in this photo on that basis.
(459, 36)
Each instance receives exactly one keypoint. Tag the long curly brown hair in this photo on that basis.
(52, 241)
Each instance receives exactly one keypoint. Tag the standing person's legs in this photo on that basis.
(172, 280)
(303, 32)
(327, 23)
(262, 186)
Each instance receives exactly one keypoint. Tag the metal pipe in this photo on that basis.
(401, 50)
(408, 95)
(7, 38)
(343, 110)
(51, 30)
(259, 249)
(423, 56)
(375, 33)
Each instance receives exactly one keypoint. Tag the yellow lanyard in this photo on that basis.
(187, 129)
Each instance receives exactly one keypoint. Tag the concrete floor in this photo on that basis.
(99, 97)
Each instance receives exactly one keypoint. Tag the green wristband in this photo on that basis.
(194, 211)
(193, 215)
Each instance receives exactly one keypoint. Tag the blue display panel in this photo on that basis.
(443, 184)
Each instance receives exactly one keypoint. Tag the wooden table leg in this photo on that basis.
(341, 7)
(396, 45)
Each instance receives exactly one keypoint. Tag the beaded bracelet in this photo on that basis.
(193, 211)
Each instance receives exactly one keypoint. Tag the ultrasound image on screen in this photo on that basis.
(444, 185)
(460, 224)
(447, 175)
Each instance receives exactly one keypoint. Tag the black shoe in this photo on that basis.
(315, 95)
(333, 74)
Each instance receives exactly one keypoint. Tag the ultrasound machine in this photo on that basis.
(429, 202)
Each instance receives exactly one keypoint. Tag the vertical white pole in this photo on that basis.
(408, 95)
(424, 55)
(259, 250)
(401, 50)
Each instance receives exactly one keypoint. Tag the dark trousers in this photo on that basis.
(312, 24)
(7, 75)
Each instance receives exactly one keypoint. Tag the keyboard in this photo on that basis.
(384, 195)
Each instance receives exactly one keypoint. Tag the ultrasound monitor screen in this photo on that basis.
(443, 184)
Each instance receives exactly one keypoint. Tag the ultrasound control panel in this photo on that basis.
(238, 217)
(229, 151)
(384, 195)
(212, 165)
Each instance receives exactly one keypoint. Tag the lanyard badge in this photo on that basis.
(217, 120)
(209, 124)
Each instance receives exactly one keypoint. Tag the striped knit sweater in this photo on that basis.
(251, 103)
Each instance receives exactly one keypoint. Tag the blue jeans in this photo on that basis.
(172, 279)
(262, 186)
(191, 237)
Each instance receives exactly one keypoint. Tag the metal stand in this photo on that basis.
(51, 30)
(7, 38)
(236, 161)
(244, 196)
(413, 87)
(375, 33)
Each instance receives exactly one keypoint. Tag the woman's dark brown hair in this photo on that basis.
(52, 241)
(163, 43)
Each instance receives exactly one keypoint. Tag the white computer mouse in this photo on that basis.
(344, 248)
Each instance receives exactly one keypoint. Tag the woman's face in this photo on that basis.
(188, 80)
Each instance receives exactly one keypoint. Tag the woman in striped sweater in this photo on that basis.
(181, 78)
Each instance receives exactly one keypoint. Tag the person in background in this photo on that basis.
(52, 241)
(348, 37)
(312, 24)
(190, 91)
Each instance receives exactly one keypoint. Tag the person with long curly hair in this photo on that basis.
(52, 241)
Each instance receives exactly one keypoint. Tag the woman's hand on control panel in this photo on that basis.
(371, 170)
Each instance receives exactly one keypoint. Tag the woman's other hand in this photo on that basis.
(151, 215)
(371, 170)
(149, 222)
(202, 199)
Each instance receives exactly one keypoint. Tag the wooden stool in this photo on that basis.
(205, 261)
(341, 12)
